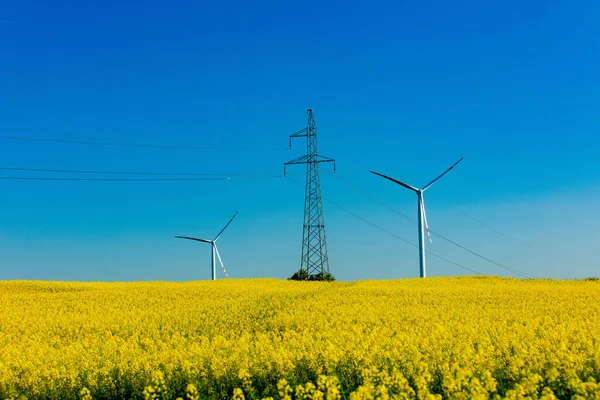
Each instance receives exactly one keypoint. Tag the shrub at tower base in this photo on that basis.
(302, 275)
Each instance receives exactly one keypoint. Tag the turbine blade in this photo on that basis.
(223, 230)
(444, 173)
(196, 239)
(414, 189)
(425, 219)
(221, 261)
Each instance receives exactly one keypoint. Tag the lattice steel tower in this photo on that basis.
(314, 247)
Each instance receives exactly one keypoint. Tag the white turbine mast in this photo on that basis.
(422, 215)
(215, 250)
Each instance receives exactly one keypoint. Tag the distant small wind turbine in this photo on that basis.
(213, 244)
(422, 216)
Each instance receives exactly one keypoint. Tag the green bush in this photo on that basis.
(302, 275)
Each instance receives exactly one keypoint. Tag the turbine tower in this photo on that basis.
(215, 250)
(422, 216)
(314, 247)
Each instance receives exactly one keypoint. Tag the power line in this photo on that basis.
(16, 178)
(391, 208)
(389, 232)
(496, 230)
(76, 171)
(142, 145)
(373, 197)
(496, 263)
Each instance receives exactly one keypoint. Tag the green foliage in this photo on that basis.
(323, 276)
(302, 275)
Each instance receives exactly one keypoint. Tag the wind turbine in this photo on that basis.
(213, 244)
(422, 216)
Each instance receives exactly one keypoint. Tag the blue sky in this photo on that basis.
(404, 88)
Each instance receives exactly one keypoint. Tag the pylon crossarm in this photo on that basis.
(299, 160)
(325, 159)
(300, 133)
(306, 160)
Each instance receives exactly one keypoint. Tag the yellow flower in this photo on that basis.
(238, 394)
(84, 394)
(460, 338)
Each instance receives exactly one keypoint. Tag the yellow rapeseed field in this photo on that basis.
(459, 338)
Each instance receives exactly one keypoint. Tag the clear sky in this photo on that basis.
(404, 88)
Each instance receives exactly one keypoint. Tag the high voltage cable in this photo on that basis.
(76, 171)
(399, 238)
(154, 146)
(496, 230)
(391, 208)
(373, 197)
(17, 178)
(389, 232)
(503, 266)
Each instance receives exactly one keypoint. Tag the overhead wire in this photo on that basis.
(398, 212)
(37, 178)
(373, 197)
(77, 171)
(389, 232)
(496, 230)
(140, 145)
(496, 263)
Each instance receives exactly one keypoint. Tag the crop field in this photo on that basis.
(458, 338)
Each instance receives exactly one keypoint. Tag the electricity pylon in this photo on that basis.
(314, 247)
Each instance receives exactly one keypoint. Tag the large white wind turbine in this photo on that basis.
(215, 251)
(422, 216)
